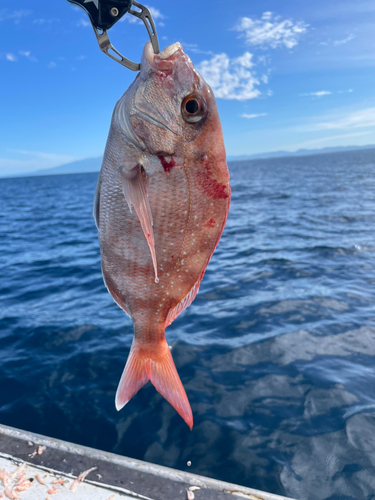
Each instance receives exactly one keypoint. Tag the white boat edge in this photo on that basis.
(141, 466)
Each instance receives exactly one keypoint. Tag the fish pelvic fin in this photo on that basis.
(134, 189)
(154, 363)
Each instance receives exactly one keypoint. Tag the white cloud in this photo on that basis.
(359, 119)
(264, 59)
(245, 115)
(13, 58)
(337, 43)
(344, 40)
(29, 161)
(16, 15)
(131, 19)
(230, 78)
(320, 93)
(52, 65)
(193, 47)
(10, 57)
(155, 13)
(323, 140)
(46, 21)
(82, 22)
(271, 31)
(27, 54)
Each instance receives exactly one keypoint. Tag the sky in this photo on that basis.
(286, 75)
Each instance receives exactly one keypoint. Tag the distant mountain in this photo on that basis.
(94, 164)
(300, 152)
(75, 167)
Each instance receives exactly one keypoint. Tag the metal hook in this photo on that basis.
(108, 49)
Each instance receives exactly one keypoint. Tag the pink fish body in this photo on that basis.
(161, 204)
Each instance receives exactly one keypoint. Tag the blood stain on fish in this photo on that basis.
(210, 186)
(210, 223)
(167, 165)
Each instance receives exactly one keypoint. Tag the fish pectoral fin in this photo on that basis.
(134, 189)
(155, 364)
(96, 206)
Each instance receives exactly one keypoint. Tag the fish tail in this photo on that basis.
(153, 363)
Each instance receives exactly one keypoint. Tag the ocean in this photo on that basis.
(277, 352)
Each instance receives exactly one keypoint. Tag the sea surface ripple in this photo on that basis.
(276, 353)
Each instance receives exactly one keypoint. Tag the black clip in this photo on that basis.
(105, 13)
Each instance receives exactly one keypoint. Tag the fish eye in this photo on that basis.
(193, 108)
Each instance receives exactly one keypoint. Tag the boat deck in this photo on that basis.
(115, 477)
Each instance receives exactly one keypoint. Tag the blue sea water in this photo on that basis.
(276, 353)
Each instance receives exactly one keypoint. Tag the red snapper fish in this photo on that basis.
(160, 207)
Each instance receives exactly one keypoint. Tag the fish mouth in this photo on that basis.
(163, 61)
(170, 50)
(157, 64)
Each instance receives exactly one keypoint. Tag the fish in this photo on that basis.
(160, 206)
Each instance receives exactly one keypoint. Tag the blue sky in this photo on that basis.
(287, 75)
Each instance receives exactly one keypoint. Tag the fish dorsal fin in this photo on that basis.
(134, 189)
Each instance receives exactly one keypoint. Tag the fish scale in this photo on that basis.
(160, 206)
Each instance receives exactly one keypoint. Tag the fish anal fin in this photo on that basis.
(135, 193)
(184, 302)
(153, 363)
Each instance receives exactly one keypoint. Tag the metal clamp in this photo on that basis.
(104, 14)
(108, 49)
